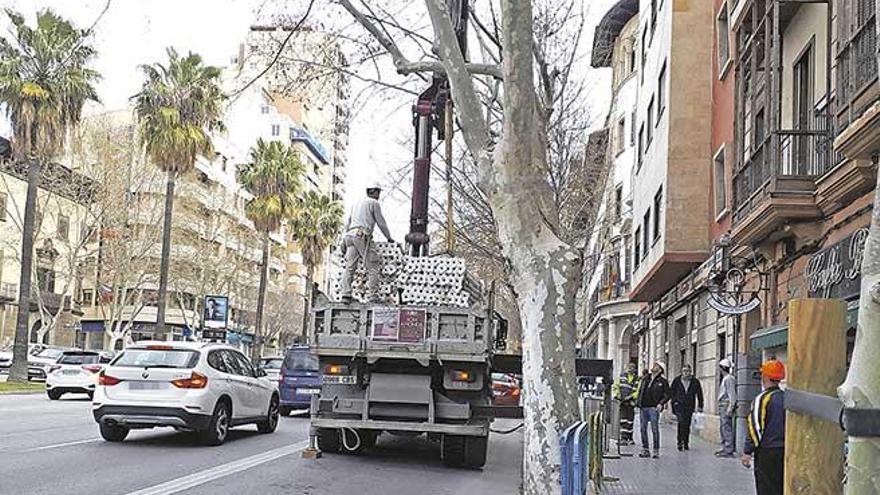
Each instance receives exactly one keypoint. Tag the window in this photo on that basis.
(856, 55)
(649, 119)
(2, 207)
(632, 129)
(644, 49)
(661, 92)
(646, 222)
(632, 60)
(641, 149)
(658, 207)
(618, 201)
(719, 173)
(722, 32)
(46, 279)
(276, 130)
(264, 109)
(637, 248)
(63, 230)
(246, 366)
(802, 101)
(88, 297)
(620, 136)
(233, 365)
(215, 360)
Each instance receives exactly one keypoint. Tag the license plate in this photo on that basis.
(310, 391)
(145, 385)
(339, 379)
(70, 372)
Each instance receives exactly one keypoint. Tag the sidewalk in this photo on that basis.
(693, 472)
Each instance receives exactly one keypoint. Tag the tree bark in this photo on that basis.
(18, 372)
(261, 300)
(862, 386)
(166, 257)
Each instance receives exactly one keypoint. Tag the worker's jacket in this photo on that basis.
(626, 389)
(766, 421)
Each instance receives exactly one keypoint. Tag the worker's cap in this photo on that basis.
(661, 365)
(724, 363)
(374, 185)
(773, 370)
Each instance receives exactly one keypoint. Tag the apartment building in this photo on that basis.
(60, 240)
(608, 330)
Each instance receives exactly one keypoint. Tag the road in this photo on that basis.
(53, 447)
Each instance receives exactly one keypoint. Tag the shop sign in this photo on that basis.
(836, 272)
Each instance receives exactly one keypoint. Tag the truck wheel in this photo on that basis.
(452, 450)
(475, 451)
(113, 433)
(328, 440)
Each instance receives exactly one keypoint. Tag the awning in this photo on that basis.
(92, 326)
(765, 338)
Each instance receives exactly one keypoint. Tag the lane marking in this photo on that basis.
(217, 472)
(65, 444)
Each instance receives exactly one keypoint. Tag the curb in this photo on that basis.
(23, 392)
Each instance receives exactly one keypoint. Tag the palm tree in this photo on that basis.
(274, 178)
(178, 107)
(44, 82)
(314, 227)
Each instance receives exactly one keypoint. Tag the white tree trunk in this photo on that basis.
(862, 386)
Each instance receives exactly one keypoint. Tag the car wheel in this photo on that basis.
(328, 440)
(53, 394)
(285, 411)
(218, 428)
(271, 422)
(113, 433)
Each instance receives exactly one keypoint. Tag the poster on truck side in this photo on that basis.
(412, 325)
(385, 324)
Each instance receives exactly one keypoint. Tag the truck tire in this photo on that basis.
(328, 440)
(475, 450)
(452, 449)
(464, 451)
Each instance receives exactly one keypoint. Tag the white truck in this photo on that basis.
(407, 370)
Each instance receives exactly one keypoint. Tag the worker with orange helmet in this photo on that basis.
(766, 432)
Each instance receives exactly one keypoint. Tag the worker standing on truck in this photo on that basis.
(357, 240)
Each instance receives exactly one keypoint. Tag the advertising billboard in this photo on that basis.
(215, 312)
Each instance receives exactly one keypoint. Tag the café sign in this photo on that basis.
(836, 271)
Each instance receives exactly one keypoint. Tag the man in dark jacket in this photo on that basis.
(652, 398)
(687, 395)
(766, 432)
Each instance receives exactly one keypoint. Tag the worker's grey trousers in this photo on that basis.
(727, 440)
(359, 246)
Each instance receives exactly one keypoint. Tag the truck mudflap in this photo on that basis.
(478, 429)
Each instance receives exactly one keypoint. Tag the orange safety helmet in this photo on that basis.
(773, 370)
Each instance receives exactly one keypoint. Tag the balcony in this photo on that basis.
(777, 183)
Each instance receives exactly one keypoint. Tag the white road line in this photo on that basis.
(211, 474)
(65, 444)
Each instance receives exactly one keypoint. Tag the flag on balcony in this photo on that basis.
(105, 293)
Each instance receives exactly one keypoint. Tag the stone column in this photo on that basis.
(602, 348)
(613, 337)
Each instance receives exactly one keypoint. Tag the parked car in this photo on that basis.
(191, 386)
(272, 367)
(39, 363)
(506, 390)
(74, 372)
(6, 355)
(299, 379)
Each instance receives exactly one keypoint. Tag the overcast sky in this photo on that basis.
(137, 32)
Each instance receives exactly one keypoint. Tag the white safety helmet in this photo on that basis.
(374, 185)
(724, 363)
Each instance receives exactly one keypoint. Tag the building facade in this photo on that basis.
(607, 328)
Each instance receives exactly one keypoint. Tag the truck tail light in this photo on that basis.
(196, 380)
(107, 380)
(335, 369)
(463, 376)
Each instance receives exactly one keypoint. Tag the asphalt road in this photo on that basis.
(53, 447)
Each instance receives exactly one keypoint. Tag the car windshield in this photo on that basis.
(157, 358)
(50, 353)
(300, 360)
(78, 359)
(272, 363)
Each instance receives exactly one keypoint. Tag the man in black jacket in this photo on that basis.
(687, 395)
(652, 398)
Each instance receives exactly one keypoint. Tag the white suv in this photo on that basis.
(190, 386)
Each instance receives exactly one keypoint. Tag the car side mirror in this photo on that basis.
(261, 372)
